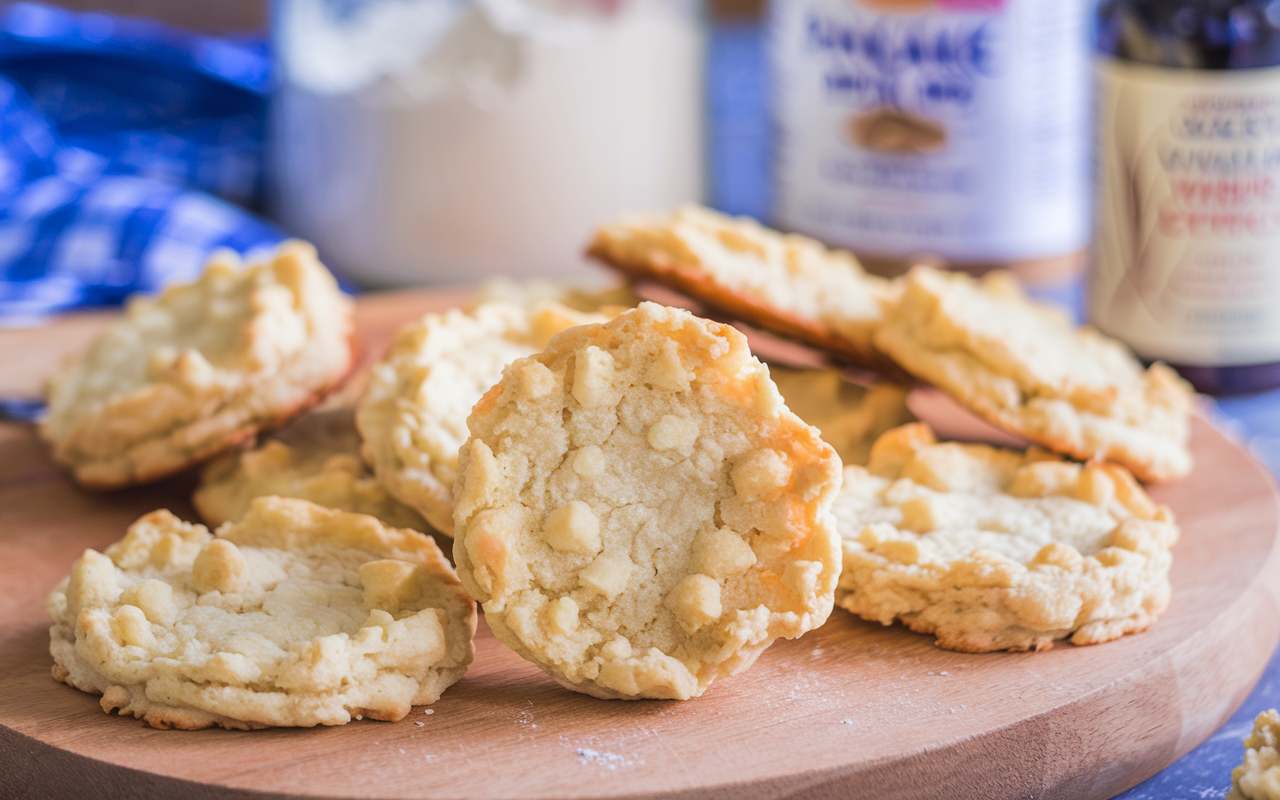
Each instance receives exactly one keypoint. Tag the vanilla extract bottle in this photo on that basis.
(1186, 261)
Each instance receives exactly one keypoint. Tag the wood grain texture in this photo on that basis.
(852, 710)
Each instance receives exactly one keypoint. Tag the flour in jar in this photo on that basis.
(406, 133)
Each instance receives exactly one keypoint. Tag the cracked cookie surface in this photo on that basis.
(992, 549)
(200, 368)
(639, 512)
(1258, 777)
(317, 458)
(1027, 369)
(295, 616)
(413, 415)
(788, 284)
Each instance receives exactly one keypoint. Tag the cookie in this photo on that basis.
(296, 615)
(1258, 778)
(413, 416)
(787, 284)
(850, 416)
(992, 549)
(317, 458)
(638, 511)
(1027, 370)
(201, 367)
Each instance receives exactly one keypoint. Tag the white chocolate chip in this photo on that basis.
(588, 462)
(1043, 479)
(673, 433)
(760, 474)
(592, 377)
(802, 577)
(561, 616)
(666, 371)
(220, 567)
(130, 626)
(902, 551)
(93, 583)
(721, 553)
(489, 545)
(695, 601)
(155, 598)
(573, 528)
(616, 649)
(1057, 554)
(194, 371)
(1095, 486)
(923, 513)
(607, 575)
(483, 480)
(388, 583)
(232, 668)
(535, 380)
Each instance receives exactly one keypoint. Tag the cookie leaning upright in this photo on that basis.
(1025, 368)
(638, 511)
(413, 415)
(202, 366)
(788, 284)
(296, 615)
(993, 549)
(1258, 777)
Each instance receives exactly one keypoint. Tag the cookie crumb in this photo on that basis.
(525, 719)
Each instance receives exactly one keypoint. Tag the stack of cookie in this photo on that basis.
(318, 598)
(639, 505)
(986, 549)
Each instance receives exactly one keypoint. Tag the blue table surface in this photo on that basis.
(1205, 772)
(738, 163)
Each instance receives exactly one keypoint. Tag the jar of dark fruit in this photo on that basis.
(1186, 262)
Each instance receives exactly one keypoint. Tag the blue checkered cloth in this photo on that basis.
(128, 151)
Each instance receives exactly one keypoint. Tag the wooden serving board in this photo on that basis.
(852, 710)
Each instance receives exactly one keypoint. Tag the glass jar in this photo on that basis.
(446, 141)
(957, 130)
(1186, 265)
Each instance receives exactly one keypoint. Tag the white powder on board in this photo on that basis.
(599, 758)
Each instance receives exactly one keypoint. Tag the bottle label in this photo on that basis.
(949, 127)
(1187, 255)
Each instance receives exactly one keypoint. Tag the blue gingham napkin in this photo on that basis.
(124, 149)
